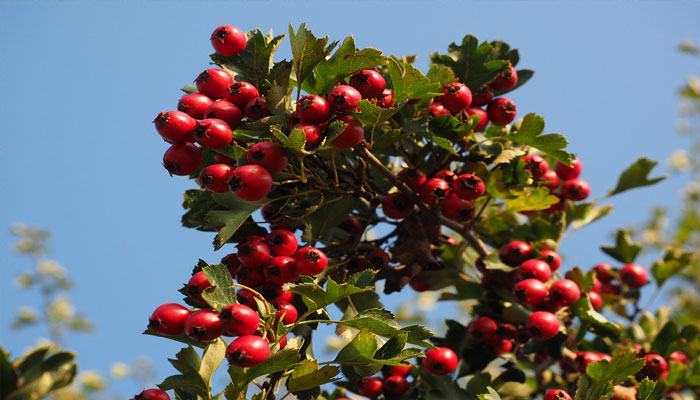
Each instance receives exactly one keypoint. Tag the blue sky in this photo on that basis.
(82, 82)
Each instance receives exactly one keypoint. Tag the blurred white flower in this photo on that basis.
(119, 371)
(92, 380)
(679, 160)
(51, 268)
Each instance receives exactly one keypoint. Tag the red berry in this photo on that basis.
(634, 275)
(455, 96)
(556, 394)
(457, 208)
(565, 292)
(558, 206)
(436, 110)
(253, 254)
(536, 165)
(182, 159)
(175, 126)
(228, 40)
(344, 98)
(369, 83)
(679, 357)
(222, 159)
(194, 104)
(413, 177)
(285, 295)
(483, 329)
(213, 133)
(483, 96)
(397, 206)
(596, 300)
(313, 109)
(239, 319)
(501, 111)
(611, 288)
(576, 189)
(551, 258)
(543, 325)
(257, 109)
(396, 385)
(585, 358)
(566, 172)
(152, 394)
(506, 81)
(214, 83)
(446, 175)
(215, 177)
(281, 270)
(203, 325)
(169, 319)
(245, 296)
(552, 179)
(378, 258)
(468, 186)
(418, 284)
(270, 155)
(247, 351)
(310, 261)
(530, 291)
(499, 346)
(313, 133)
(241, 93)
(604, 272)
(352, 135)
(515, 253)
(433, 191)
(250, 182)
(396, 370)
(440, 361)
(231, 262)
(386, 99)
(282, 243)
(656, 367)
(536, 269)
(287, 312)
(369, 386)
(196, 285)
(483, 117)
(225, 111)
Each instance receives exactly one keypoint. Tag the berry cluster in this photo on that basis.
(151, 394)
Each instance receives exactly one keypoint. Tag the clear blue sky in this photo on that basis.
(82, 81)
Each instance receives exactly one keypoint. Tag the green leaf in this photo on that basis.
(471, 62)
(278, 362)
(442, 143)
(364, 348)
(669, 334)
(8, 376)
(441, 74)
(308, 51)
(329, 215)
(625, 250)
(334, 129)
(254, 63)
(231, 220)
(636, 175)
(491, 395)
(190, 89)
(297, 141)
(222, 292)
(197, 202)
(597, 322)
(530, 133)
(279, 94)
(307, 375)
(672, 263)
(449, 127)
(188, 363)
(344, 62)
(582, 214)
(371, 115)
(651, 390)
(409, 83)
(620, 369)
(316, 298)
(531, 200)
(383, 323)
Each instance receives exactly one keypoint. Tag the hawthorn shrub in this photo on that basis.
(340, 145)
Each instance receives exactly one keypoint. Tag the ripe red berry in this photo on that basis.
(455, 97)
(566, 172)
(530, 291)
(282, 243)
(396, 370)
(182, 159)
(285, 295)
(215, 177)
(457, 208)
(446, 175)
(596, 300)
(611, 288)
(239, 319)
(175, 126)
(378, 258)
(552, 179)
(225, 111)
(433, 191)
(152, 394)
(436, 110)
(222, 159)
(483, 117)
(634, 275)
(281, 270)
(515, 253)
(194, 104)
(468, 186)
(369, 386)
(228, 40)
(241, 93)
(269, 155)
(203, 325)
(585, 358)
(250, 182)
(369, 83)
(213, 133)
(505, 81)
(565, 292)
(501, 111)
(396, 385)
(556, 394)
(440, 361)
(214, 83)
(551, 258)
(543, 325)
(169, 319)
(655, 368)
(418, 284)
(536, 269)
(253, 254)
(604, 272)
(576, 189)
(483, 96)
(287, 312)
(483, 329)
(499, 346)
(310, 261)
(352, 135)
(247, 351)
(344, 98)
(536, 165)
(196, 285)
(257, 109)
(313, 133)
(413, 177)
(558, 206)
(397, 206)
(679, 357)
(386, 100)
(245, 296)
(313, 109)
